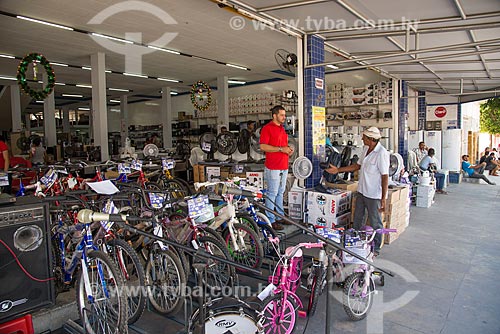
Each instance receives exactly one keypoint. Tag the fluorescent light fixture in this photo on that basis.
(170, 80)
(87, 68)
(39, 101)
(112, 38)
(84, 86)
(107, 71)
(84, 108)
(237, 66)
(40, 81)
(173, 93)
(71, 95)
(114, 101)
(60, 83)
(114, 109)
(7, 56)
(59, 64)
(44, 22)
(333, 67)
(151, 104)
(119, 89)
(135, 75)
(2, 77)
(164, 50)
(236, 82)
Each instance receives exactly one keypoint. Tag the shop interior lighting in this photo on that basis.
(237, 82)
(164, 50)
(3, 77)
(119, 89)
(114, 101)
(173, 93)
(112, 38)
(71, 95)
(84, 108)
(333, 67)
(87, 68)
(135, 75)
(84, 86)
(60, 83)
(237, 66)
(165, 79)
(39, 101)
(59, 64)
(44, 22)
(7, 56)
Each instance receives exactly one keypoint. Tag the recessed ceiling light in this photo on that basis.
(135, 75)
(71, 95)
(114, 101)
(112, 38)
(87, 68)
(84, 86)
(237, 82)
(119, 89)
(7, 56)
(7, 78)
(44, 22)
(59, 64)
(165, 79)
(237, 66)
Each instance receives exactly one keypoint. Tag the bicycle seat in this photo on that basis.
(289, 250)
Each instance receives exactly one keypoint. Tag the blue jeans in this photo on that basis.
(439, 180)
(371, 206)
(276, 184)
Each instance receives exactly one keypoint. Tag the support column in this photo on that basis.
(314, 96)
(166, 116)
(49, 117)
(123, 119)
(422, 111)
(300, 95)
(99, 107)
(15, 103)
(402, 121)
(65, 122)
(222, 102)
(27, 120)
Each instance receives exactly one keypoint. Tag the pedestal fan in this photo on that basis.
(244, 138)
(227, 143)
(208, 144)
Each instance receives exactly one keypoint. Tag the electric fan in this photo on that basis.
(208, 144)
(286, 60)
(396, 164)
(150, 150)
(255, 141)
(302, 168)
(293, 145)
(227, 143)
(244, 144)
(23, 143)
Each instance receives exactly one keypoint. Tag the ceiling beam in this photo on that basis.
(290, 5)
(460, 9)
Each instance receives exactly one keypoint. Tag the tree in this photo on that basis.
(489, 120)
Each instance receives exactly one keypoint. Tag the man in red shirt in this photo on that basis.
(274, 142)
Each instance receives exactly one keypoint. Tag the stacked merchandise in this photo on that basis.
(342, 95)
(397, 212)
(425, 195)
(328, 209)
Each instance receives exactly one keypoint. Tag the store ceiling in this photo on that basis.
(203, 30)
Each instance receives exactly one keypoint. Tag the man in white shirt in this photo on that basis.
(421, 151)
(373, 182)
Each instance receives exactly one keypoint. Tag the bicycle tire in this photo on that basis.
(165, 290)
(133, 275)
(271, 309)
(246, 219)
(353, 286)
(175, 187)
(116, 322)
(219, 274)
(316, 288)
(256, 249)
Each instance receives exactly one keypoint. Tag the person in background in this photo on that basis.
(484, 156)
(38, 155)
(5, 162)
(475, 171)
(429, 163)
(373, 182)
(274, 142)
(223, 129)
(492, 164)
(421, 151)
(251, 126)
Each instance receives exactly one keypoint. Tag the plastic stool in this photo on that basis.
(23, 325)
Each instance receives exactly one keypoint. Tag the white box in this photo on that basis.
(425, 191)
(296, 204)
(424, 202)
(212, 173)
(328, 205)
(255, 179)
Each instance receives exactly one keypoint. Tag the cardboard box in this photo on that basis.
(255, 179)
(424, 202)
(296, 204)
(196, 173)
(425, 191)
(349, 185)
(333, 205)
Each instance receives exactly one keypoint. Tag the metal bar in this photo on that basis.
(442, 71)
(400, 54)
(416, 22)
(400, 32)
(387, 52)
(494, 91)
(473, 37)
(440, 86)
(460, 9)
(290, 5)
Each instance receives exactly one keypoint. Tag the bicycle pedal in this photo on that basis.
(302, 314)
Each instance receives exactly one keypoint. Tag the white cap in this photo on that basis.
(372, 132)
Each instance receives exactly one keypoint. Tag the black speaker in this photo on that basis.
(25, 260)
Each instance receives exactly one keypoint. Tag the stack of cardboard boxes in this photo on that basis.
(397, 212)
(328, 210)
(425, 195)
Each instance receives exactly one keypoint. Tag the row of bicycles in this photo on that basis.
(148, 242)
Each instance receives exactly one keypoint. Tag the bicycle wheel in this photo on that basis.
(316, 283)
(218, 274)
(266, 232)
(250, 251)
(246, 219)
(175, 187)
(132, 270)
(165, 281)
(104, 308)
(356, 302)
(278, 315)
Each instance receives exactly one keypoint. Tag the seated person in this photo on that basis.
(471, 169)
(492, 164)
(38, 155)
(429, 163)
(421, 151)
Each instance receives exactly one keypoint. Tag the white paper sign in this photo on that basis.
(103, 187)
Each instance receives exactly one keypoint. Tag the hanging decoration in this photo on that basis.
(36, 59)
(201, 96)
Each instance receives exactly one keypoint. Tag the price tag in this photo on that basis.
(72, 183)
(124, 169)
(137, 164)
(198, 206)
(168, 164)
(157, 200)
(109, 208)
(4, 179)
(207, 147)
(49, 178)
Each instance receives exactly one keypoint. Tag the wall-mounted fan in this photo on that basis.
(227, 143)
(208, 144)
(286, 60)
(150, 150)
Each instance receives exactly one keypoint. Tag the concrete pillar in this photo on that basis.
(99, 106)
(166, 116)
(222, 102)
(65, 122)
(123, 119)
(27, 120)
(49, 117)
(300, 96)
(15, 103)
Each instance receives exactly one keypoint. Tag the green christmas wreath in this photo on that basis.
(23, 83)
(201, 96)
